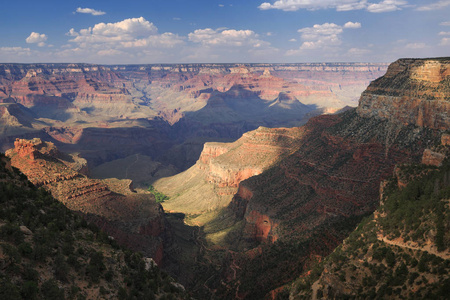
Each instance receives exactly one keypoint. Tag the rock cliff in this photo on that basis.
(402, 250)
(222, 166)
(132, 219)
(301, 208)
(412, 92)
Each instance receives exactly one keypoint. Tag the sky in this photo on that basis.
(222, 31)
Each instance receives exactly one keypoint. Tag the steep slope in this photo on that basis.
(401, 251)
(132, 219)
(211, 183)
(300, 209)
(48, 252)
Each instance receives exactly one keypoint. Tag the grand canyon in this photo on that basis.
(280, 181)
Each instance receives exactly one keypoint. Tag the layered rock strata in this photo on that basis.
(132, 219)
(310, 200)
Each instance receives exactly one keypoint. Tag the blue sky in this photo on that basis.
(182, 31)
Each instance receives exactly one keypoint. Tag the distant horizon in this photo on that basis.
(208, 63)
(114, 32)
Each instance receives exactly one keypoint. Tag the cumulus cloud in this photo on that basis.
(237, 45)
(134, 32)
(292, 40)
(324, 35)
(226, 38)
(131, 39)
(324, 39)
(36, 38)
(339, 5)
(386, 6)
(434, 6)
(444, 23)
(90, 11)
(444, 33)
(353, 25)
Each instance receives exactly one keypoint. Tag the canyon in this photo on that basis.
(256, 200)
(298, 209)
(166, 113)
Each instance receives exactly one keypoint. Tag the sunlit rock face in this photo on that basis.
(412, 92)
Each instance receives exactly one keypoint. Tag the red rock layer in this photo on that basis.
(132, 219)
(412, 92)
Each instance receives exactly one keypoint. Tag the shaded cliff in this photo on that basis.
(49, 252)
(132, 219)
(402, 250)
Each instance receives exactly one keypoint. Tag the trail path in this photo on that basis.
(426, 248)
(315, 287)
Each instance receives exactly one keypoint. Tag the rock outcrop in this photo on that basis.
(222, 166)
(132, 219)
(412, 92)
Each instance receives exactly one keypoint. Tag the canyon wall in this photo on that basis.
(412, 92)
(312, 199)
(134, 220)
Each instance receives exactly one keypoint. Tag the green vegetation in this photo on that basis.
(412, 217)
(419, 208)
(50, 252)
(159, 197)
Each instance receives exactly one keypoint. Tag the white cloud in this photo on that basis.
(320, 35)
(269, 33)
(128, 30)
(292, 40)
(444, 23)
(444, 33)
(90, 11)
(339, 5)
(130, 40)
(325, 40)
(434, 6)
(36, 38)
(226, 38)
(221, 5)
(353, 25)
(235, 45)
(386, 6)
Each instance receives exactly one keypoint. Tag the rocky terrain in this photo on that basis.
(49, 252)
(301, 207)
(400, 251)
(211, 183)
(133, 219)
(166, 112)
